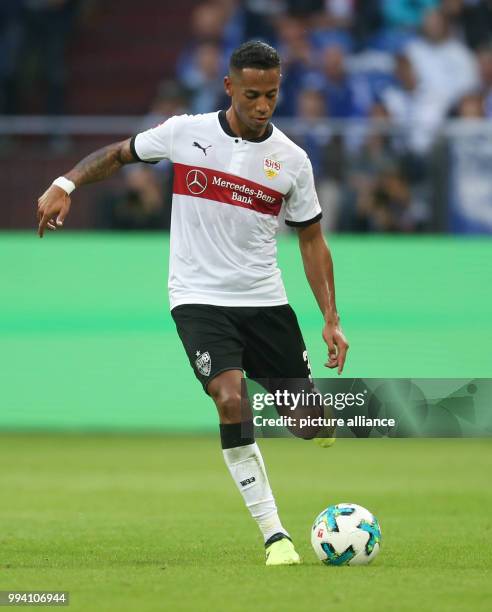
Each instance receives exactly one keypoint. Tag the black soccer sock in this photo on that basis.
(233, 435)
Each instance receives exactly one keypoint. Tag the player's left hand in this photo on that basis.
(337, 345)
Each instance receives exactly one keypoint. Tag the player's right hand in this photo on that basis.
(53, 207)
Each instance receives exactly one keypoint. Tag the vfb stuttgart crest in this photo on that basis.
(203, 362)
(271, 167)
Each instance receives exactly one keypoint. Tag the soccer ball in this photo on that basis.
(346, 534)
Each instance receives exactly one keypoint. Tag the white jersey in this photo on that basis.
(227, 196)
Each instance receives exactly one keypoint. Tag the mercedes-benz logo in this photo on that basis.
(196, 181)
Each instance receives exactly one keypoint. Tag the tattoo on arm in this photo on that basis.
(102, 163)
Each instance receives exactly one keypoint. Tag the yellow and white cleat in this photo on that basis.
(327, 437)
(325, 442)
(279, 550)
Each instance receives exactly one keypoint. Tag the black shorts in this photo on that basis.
(264, 342)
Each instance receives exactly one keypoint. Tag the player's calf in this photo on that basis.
(242, 455)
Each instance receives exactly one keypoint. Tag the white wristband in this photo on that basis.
(64, 184)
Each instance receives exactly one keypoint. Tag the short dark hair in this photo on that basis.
(254, 54)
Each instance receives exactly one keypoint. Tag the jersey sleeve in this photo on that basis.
(302, 205)
(157, 143)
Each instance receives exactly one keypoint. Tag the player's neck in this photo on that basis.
(241, 130)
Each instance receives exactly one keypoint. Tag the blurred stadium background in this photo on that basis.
(391, 99)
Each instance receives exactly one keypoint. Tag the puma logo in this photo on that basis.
(204, 149)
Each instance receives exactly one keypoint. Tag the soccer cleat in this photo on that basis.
(325, 442)
(279, 550)
(328, 435)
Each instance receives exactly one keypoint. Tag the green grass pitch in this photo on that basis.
(152, 523)
(134, 522)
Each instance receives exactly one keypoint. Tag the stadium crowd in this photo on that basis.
(417, 57)
(33, 41)
(407, 63)
(387, 73)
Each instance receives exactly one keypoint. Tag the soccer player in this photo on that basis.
(233, 173)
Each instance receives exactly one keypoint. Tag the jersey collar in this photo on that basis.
(224, 124)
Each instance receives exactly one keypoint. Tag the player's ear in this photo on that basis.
(228, 85)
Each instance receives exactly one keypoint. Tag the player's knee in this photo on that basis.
(228, 402)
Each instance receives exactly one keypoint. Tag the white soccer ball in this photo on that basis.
(346, 534)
